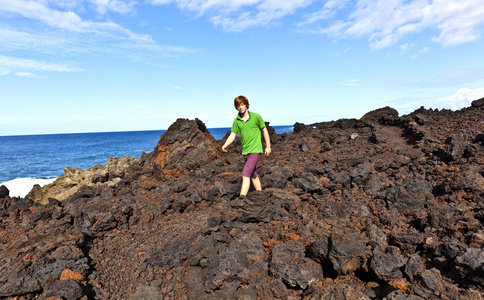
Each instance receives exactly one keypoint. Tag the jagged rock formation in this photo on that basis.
(187, 144)
(478, 103)
(377, 114)
(74, 178)
(385, 207)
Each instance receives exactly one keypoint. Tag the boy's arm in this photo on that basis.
(229, 141)
(267, 138)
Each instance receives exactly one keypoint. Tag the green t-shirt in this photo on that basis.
(249, 132)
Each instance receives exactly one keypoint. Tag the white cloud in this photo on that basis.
(424, 50)
(352, 82)
(462, 98)
(25, 74)
(48, 42)
(237, 15)
(68, 44)
(7, 62)
(384, 22)
(203, 6)
(118, 6)
(458, 77)
(457, 20)
(68, 20)
(66, 4)
(68, 34)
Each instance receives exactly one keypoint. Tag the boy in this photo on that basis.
(249, 126)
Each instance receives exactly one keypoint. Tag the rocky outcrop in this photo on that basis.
(478, 103)
(377, 114)
(187, 144)
(385, 208)
(74, 178)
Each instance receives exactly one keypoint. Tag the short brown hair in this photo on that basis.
(241, 100)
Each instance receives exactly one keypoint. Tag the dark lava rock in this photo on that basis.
(299, 127)
(289, 263)
(386, 265)
(432, 279)
(186, 144)
(348, 253)
(242, 259)
(471, 265)
(456, 145)
(308, 182)
(254, 208)
(4, 192)
(414, 266)
(413, 196)
(385, 207)
(478, 103)
(66, 289)
(377, 114)
(376, 184)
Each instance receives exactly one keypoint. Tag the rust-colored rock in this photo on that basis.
(69, 274)
(375, 115)
(386, 207)
(186, 144)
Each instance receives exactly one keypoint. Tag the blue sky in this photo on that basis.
(115, 65)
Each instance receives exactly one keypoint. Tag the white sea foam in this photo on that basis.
(20, 187)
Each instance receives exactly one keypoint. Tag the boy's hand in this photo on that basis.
(268, 151)
(224, 148)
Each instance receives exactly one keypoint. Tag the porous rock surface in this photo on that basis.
(74, 178)
(387, 207)
(187, 144)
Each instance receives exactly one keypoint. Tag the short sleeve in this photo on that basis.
(235, 128)
(260, 123)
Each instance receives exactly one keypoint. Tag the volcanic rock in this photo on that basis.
(288, 262)
(73, 178)
(4, 192)
(66, 289)
(377, 114)
(348, 253)
(471, 264)
(386, 265)
(385, 207)
(186, 144)
(478, 103)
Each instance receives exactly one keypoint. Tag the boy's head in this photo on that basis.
(241, 100)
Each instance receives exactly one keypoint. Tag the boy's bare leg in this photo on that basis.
(245, 186)
(256, 183)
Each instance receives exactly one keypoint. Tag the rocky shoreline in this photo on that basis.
(382, 207)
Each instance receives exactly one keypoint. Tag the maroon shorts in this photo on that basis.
(250, 168)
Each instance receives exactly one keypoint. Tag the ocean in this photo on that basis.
(39, 159)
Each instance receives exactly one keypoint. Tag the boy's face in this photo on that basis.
(242, 108)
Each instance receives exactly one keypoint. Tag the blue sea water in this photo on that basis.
(30, 159)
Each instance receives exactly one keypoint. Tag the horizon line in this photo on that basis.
(115, 131)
